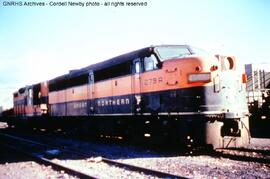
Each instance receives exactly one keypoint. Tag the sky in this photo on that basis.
(40, 43)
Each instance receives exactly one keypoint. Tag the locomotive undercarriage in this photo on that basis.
(181, 131)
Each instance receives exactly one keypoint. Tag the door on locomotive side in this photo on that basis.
(136, 85)
(151, 80)
(91, 93)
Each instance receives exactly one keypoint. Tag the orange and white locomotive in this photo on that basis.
(174, 93)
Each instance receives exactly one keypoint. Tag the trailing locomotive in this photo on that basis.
(173, 93)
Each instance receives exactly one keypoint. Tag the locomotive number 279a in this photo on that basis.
(153, 81)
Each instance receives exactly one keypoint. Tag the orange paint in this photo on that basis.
(76, 93)
(122, 86)
(244, 78)
(172, 76)
(44, 89)
(103, 89)
(57, 97)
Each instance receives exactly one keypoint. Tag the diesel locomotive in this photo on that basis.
(174, 93)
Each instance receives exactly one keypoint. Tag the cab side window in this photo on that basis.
(137, 67)
(150, 63)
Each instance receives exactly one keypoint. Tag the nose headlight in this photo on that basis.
(199, 77)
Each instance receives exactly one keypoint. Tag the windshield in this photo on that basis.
(168, 52)
(198, 51)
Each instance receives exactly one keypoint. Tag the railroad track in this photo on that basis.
(38, 152)
(39, 158)
(243, 154)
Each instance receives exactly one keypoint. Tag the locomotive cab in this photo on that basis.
(206, 94)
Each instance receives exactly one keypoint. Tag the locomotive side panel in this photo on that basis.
(122, 95)
(57, 103)
(76, 99)
(103, 97)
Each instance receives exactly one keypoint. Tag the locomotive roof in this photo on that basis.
(116, 60)
(103, 65)
(120, 59)
(128, 57)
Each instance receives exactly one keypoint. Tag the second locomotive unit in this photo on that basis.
(174, 93)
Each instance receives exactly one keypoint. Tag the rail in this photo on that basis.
(75, 151)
